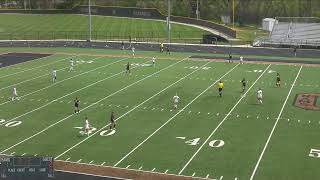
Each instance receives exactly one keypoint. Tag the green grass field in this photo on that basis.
(23, 26)
(228, 138)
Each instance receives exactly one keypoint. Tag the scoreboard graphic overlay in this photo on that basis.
(26, 166)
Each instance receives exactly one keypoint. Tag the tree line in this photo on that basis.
(246, 11)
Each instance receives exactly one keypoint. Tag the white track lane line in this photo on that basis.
(274, 127)
(135, 107)
(37, 77)
(116, 164)
(56, 100)
(58, 82)
(37, 66)
(97, 102)
(205, 142)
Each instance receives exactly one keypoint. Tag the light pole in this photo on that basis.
(233, 10)
(89, 12)
(198, 12)
(168, 22)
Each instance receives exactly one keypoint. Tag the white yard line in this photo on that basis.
(116, 164)
(56, 100)
(137, 106)
(36, 67)
(97, 102)
(58, 82)
(205, 142)
(274, 127)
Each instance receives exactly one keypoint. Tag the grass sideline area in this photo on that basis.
(229, 137)
(63, 26)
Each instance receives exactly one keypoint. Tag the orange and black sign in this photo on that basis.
(307, 101)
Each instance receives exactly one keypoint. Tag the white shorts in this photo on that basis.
(176, 101)
(259, 97)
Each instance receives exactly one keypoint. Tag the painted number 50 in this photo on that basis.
(314, 153)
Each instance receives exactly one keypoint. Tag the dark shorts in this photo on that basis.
(278, 79)
(76, 105)
(220, 89)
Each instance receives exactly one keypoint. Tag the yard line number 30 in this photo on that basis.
(9, 123)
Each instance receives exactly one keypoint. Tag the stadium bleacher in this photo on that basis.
(293, 32)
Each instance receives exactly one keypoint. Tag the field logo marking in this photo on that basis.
(307, 101)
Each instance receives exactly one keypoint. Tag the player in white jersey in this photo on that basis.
(154, 61)
(133, 52)
(54, 75)
(176, 99)
(14, 94)
(259, 96)
(71, 65)
(241, 59)
(87, 126)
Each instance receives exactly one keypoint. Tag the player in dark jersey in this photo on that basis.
(244, 84)
(168, 49)
(128, 68)
(278, 83)
(295, 51)
(230, 58)
(122, 45)
(112, 119)
(76, 105)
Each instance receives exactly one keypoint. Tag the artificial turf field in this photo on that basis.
(232, 137)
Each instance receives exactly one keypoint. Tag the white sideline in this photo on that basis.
(275, 125)
(136, 170)
(89, 106)
(94, 175)
(205, 142)
(55, 100)
(37, 66)
(32, 78)
(58, 82)
(174, 116)
(135, 107)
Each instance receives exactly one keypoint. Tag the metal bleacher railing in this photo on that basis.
(293, 31)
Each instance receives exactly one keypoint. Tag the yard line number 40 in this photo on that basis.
(194, 142)
(10, 123)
